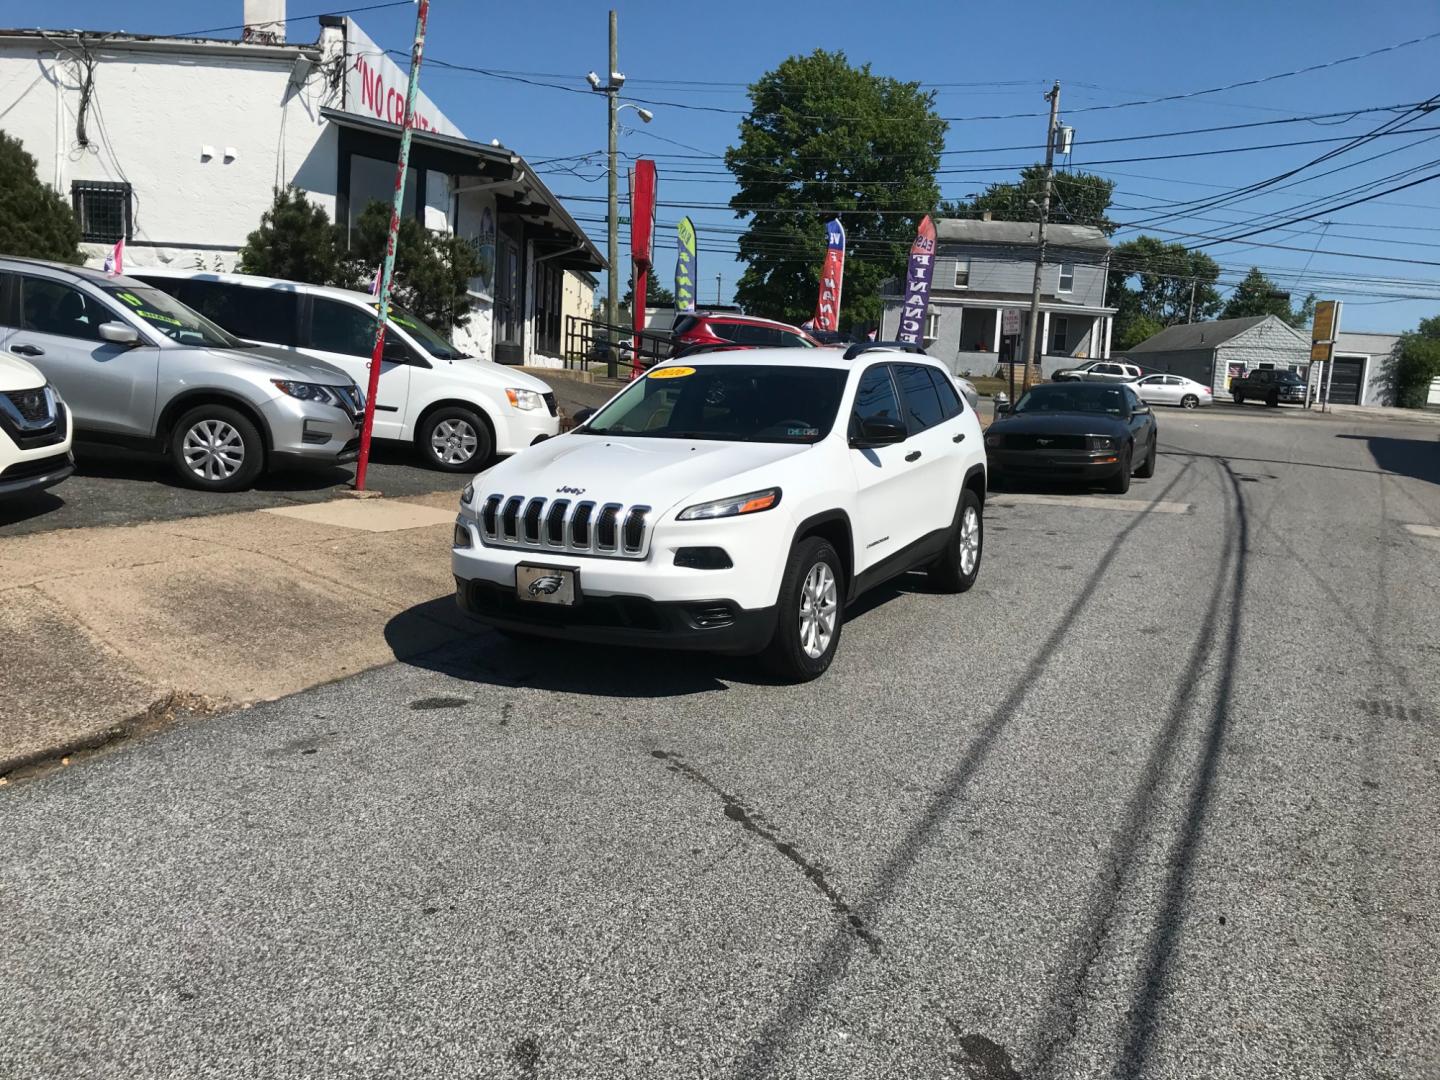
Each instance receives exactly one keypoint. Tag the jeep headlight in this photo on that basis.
(468, 494)
(751, 503)
(527, 400)
(304, 391)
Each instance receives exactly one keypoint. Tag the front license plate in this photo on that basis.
(546, 585)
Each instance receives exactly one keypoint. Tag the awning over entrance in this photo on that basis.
(518, 191)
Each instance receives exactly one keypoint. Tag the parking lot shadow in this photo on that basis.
(1416, 458)
(436, 636)
(25, 507)
(111, 463)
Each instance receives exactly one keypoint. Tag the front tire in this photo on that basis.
(809, 613)
(1120, 483)
(1239, 399)
(1273, 401)
(216, 448)
(1189, 401)
(956, 570)
(456, 440)
(1147, 467)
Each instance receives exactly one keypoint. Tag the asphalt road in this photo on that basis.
(118, 487)
(1158, 798)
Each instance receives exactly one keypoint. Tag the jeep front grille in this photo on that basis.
(584, 527)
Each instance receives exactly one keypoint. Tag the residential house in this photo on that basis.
(983, 267)
(175, 144)
(1215, 352)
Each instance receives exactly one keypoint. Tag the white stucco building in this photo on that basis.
(177, 144)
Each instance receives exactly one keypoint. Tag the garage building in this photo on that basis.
(1214, 352)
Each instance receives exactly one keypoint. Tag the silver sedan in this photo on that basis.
(1173, 390)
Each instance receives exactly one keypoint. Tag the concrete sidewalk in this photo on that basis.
(109, 629)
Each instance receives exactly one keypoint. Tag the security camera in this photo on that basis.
(617, 80)
(593, 80)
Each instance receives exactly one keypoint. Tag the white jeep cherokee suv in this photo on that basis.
(732, 502)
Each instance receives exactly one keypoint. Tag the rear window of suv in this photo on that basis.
(727, 402)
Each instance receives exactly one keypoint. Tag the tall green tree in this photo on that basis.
(1075, 199)
(656, 295)
(1151, 283)
(432, 270)
(1414, 364)
(822, 137)
(295, 241)
(1258, 295)
(35, 221)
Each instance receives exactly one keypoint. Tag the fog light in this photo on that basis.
(462, 536)
(703, 558)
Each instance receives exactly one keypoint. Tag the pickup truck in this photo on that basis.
(1268, 385)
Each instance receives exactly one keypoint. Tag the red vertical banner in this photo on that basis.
(832, 277)
(643, 195)
(917, 284)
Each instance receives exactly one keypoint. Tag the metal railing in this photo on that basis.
(606, 349)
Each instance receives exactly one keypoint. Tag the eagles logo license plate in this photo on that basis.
(547, 585)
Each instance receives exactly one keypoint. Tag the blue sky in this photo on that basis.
(682, 54)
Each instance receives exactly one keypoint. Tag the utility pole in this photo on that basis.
(387, 268)
(717, 290)
(1032, 338)
(612, 243)
(1191, 317)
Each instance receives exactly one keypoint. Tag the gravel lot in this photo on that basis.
(1158, 798)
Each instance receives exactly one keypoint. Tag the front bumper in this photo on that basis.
(36, 473)
(715, 626)
(308, 432)
(1060, 464)
(520, 428)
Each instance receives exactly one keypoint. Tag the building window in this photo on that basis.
(102, 208)
(962, 273)
(1059, 334)
(932, 325)
(1067, 277)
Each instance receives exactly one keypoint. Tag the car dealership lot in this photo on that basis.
(1156, 798)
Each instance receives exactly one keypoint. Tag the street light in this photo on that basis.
(611, 90)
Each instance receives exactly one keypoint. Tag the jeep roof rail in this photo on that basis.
(889, 346)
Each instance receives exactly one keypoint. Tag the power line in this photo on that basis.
(301, 18)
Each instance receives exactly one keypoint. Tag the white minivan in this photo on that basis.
(460, 411)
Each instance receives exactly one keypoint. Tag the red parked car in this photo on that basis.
(720, 328)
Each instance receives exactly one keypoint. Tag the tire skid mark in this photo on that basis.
(752, 821)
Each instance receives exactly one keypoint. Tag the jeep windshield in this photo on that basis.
(725, 402)
(161, 311)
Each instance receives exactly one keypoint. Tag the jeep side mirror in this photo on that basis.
(119, 333)
(880, 431)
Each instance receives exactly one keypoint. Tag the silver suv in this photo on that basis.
(1099, 371)
(138, 367)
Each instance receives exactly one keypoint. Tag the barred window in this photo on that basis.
(102, 207)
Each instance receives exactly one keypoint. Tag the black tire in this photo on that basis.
(948, 573)
(786, 655)
(455, 439)
(1189, 401)
(216, 448)
(1119, 484)
(1273, 400)
(1239, 399)
(1147, 467)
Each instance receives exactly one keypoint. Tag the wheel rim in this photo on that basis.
(969, 541)
(454, 441)
(213, 450)
(1190, 401)
(819, 606)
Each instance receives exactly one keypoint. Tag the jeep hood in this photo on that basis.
(654, 472)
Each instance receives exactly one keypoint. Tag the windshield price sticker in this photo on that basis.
(672, 372)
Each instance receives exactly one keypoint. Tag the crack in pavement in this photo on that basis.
(751, 821)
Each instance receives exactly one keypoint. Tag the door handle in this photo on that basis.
(27, 350)
(959, 438)
(914, 455)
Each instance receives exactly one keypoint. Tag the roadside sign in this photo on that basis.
(1325, 320)
(1320, 352)
(1010, 322)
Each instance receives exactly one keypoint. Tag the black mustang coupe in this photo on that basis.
(1074, 431)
